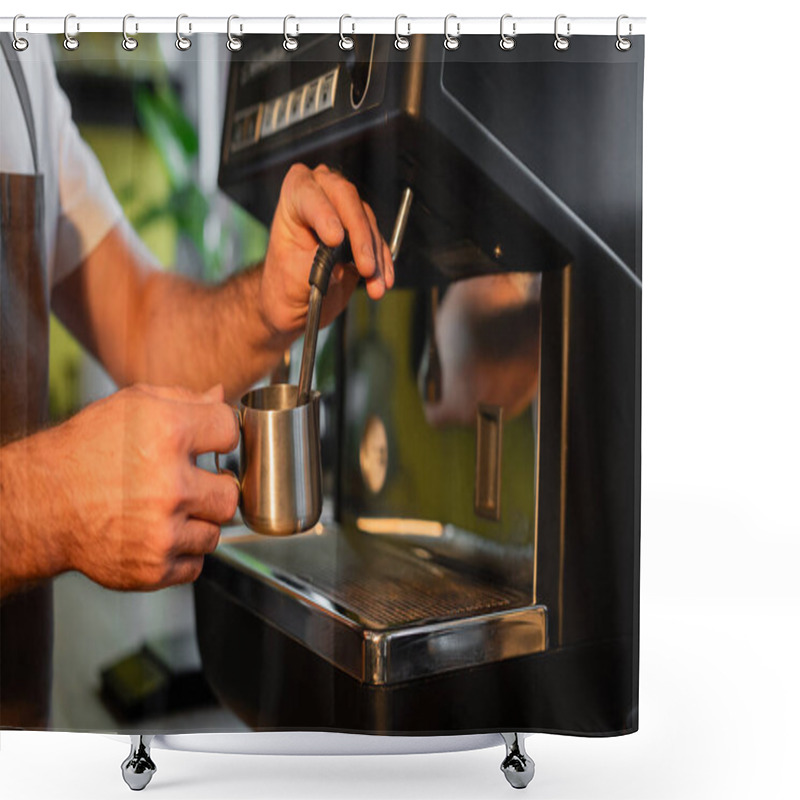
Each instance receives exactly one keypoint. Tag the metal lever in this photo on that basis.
(400, 222)
(320, 276)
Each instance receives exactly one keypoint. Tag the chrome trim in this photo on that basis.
(355, 106)
(562, 524)
(265, 576)
(407, 654)
(400, 526)
(488, 461)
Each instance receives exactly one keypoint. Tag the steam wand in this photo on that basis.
(320, 276)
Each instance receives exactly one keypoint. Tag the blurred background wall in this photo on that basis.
(153, 117)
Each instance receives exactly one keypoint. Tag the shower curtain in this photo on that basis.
(473, 564)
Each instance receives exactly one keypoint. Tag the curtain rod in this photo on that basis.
(298, 25)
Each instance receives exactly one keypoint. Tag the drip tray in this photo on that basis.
(383, 609)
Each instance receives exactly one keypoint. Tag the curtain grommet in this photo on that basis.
(128, 42)
(18, 43)
(561, 43)
(401, 42)
(507, 42)
(234, 43)
(70, 42)
(181, 42)
(289, 42)
(622, 44)
(346, 42)
(451, 42)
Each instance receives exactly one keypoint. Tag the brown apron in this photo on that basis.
(26, 617)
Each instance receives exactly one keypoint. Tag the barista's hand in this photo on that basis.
(143, 515)
(320, 202)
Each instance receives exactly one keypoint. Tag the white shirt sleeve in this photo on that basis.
(87, 208)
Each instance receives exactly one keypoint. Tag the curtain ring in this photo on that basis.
(401, 42)
(181, 42)
(19, 43)
(70, 42)
(289, 42)
(507, 42)
(234, 43)
(622, 44)
(561, 42)
(128, 42)
(345, 42)
(451, 42)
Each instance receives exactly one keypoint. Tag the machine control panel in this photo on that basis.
(261, 120)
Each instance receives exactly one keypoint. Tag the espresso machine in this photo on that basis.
(475, 566)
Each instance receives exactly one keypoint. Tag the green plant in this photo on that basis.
(175, 139)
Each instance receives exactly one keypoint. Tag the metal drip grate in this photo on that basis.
(382, 584)
(382, 609)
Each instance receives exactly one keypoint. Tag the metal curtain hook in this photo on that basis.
(70, 42)
(128, 42)
(451, 42)
(289, 42)
(622, 44)
(19, 43)
(561, 43)
(401, 42)
(181, 42)
(507, 42)
(345, 42)
(234, 43)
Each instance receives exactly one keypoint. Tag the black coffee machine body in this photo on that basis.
(476, 564)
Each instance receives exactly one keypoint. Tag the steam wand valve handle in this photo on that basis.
(324, 260)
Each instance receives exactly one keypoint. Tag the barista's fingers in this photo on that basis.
(210, 427)
(387, 258)
(345, 199)
(184, 570)
(309, 206)
(216, 394)
(344, 281)
(197, 537)
(381, 249)
(209, 496)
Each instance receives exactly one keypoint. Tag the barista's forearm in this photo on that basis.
(198, 335)
(147, 325)
(35, 516)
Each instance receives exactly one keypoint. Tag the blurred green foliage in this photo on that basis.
(174, 138)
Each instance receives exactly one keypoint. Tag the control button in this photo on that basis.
(295, 105)
(281, 107)
(245, 130)
(310, 99)
(266, 118)
(326, 90)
